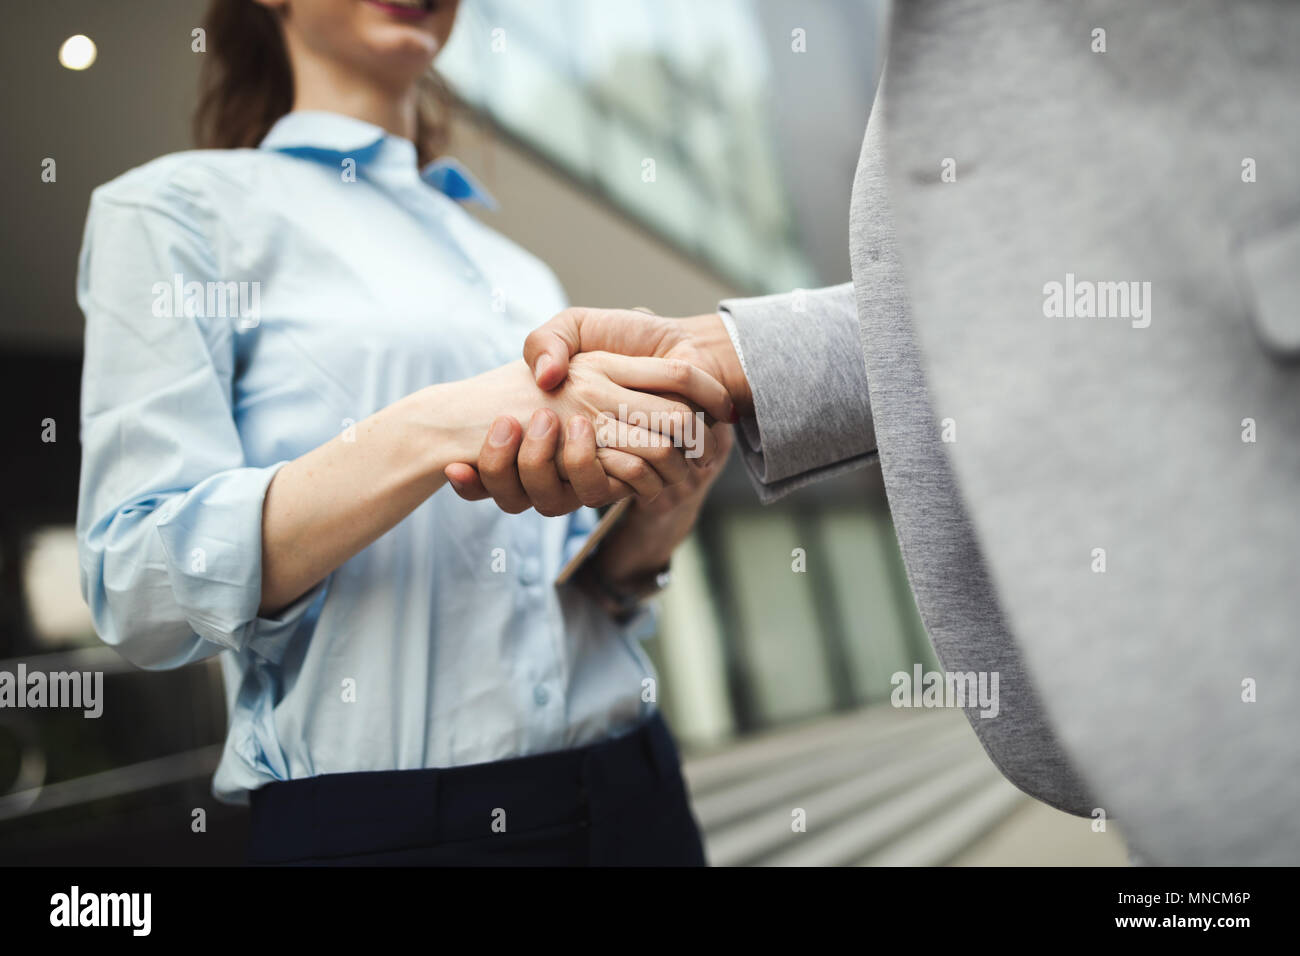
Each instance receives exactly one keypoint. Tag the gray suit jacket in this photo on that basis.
(1115, 528)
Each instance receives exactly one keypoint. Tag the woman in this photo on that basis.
(285, 348)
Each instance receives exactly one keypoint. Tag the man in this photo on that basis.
(1076, 261)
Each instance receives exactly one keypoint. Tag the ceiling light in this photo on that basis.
(77, 52)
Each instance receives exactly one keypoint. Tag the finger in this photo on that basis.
(673, 376)
(588, 479)
(465, 481)
(496, 466)
(577, 330)
(537, 472)
(548, 348)
(674, 419)
(656, 450)
(631, 470)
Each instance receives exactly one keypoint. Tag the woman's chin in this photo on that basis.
(375, 25)
(396, 48)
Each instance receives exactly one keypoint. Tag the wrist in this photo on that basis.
(621, 597)
(708, 333)
(444, 424)
(624, 571)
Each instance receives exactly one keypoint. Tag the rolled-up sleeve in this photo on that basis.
(169, 514)
(802, 354)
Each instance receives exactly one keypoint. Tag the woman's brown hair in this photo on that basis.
(246, 84)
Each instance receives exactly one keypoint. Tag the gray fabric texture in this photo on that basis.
(812, 413)
(1084, 433)
(953, 593)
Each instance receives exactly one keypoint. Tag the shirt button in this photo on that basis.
(530, 570)
(541, 695)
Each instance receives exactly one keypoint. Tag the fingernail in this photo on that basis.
(543, 363)
(540, 424)
(575, 429)
(453, 482)
(500, 434)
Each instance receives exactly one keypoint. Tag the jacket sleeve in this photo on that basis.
(169, 515)
(802, 354)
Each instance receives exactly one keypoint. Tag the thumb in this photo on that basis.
(548, 348)
(465, 480)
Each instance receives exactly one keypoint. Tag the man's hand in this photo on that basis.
(701, 340)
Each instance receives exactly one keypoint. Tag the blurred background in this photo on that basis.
(775, 680)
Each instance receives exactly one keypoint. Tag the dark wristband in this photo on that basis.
(621, 600)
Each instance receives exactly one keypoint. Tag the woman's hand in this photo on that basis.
(618, 439)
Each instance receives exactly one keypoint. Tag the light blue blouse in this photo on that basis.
(245, 306)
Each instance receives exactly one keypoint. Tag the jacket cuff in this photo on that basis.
(802, 355)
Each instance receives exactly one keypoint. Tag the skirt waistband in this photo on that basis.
(346, 814)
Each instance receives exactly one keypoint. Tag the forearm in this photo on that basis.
(645, 540)
(644, 543)
(626, 568)
(331, 503)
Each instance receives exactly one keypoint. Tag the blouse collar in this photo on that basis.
(319, 134)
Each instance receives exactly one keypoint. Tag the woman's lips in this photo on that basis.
(406, 9)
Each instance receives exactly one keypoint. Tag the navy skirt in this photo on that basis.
(619, 802)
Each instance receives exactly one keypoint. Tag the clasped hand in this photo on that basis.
(607, 359)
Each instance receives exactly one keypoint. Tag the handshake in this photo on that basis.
(607, 403)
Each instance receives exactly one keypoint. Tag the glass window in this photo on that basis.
(600, 88)
(781, 652)
(875, 607)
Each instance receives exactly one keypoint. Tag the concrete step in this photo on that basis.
(774, 750)
(730, 802)
(943, 838)
(848, 840)
(767, 832)
(878, 787)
